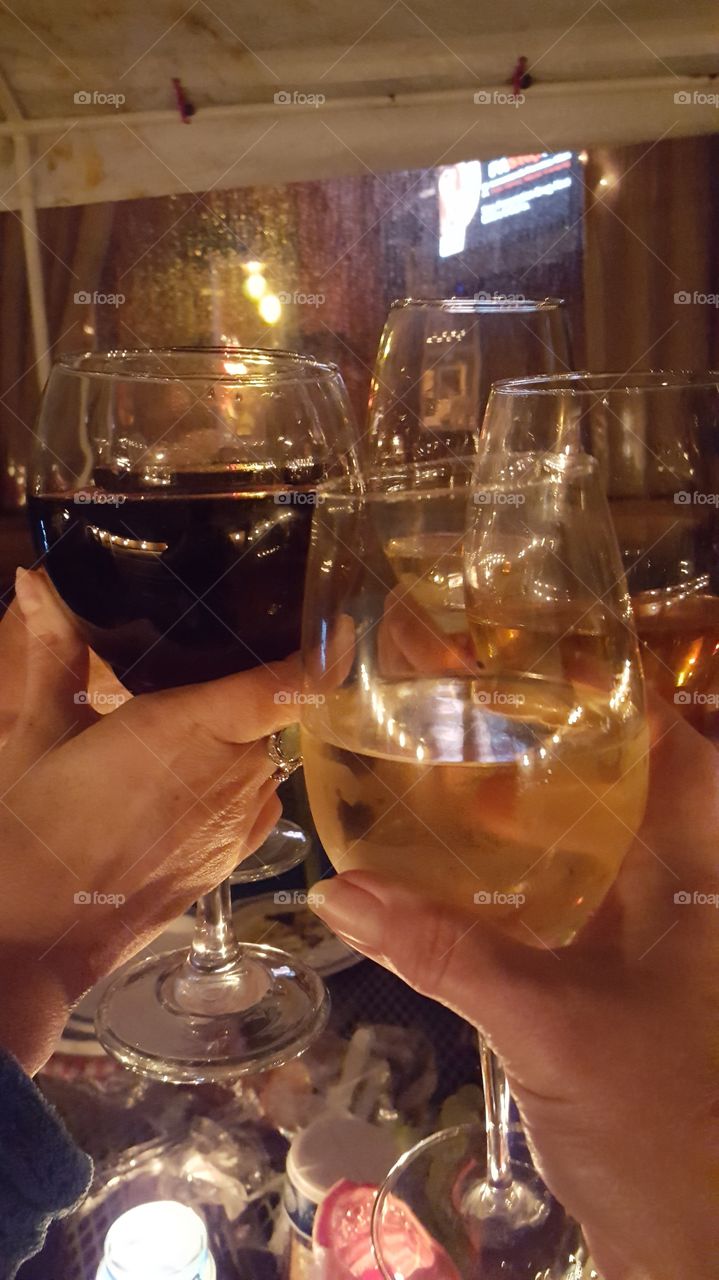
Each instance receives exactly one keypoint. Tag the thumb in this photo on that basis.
(54, 701)
(493, 982)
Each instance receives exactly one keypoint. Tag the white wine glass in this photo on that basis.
(655, 436)
(440, 753)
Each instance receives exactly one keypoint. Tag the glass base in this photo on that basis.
(165, 1018)
(285, 847)
(473, 1231)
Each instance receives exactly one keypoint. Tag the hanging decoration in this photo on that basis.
(521, 78)
(184, 106)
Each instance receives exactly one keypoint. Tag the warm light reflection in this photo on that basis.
(622, 688)
(270, 308)
(255, 286)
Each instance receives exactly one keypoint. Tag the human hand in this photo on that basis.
(153, 804)
(607, 1044)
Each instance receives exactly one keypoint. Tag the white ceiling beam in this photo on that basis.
(126, 157)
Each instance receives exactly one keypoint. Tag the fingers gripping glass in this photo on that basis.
(171, 498)
(476, 732)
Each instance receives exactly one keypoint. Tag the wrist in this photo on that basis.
(33, 1010)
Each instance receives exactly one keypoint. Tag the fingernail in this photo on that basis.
(352, 912)
(32, 596)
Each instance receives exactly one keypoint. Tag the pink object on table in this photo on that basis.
(343, 1246)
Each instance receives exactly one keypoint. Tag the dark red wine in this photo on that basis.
(200, 579)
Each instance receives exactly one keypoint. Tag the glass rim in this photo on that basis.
(584, 383)
(262, 366)
(492, 305)
(337, 489)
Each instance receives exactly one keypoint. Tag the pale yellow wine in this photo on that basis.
(517, 801)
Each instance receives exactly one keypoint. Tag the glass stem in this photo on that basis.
(496, 1108)
(214, 943)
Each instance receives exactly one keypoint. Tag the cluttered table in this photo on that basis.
(223, 1149)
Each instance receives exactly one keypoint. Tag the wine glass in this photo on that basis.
(171, 500)
(436, 363)
(435, 366)
(656, 439)
(435, 755)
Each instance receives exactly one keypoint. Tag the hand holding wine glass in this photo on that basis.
(610, 1044)
(148, 804)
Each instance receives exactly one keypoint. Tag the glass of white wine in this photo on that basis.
(444, 752)
(656, 438)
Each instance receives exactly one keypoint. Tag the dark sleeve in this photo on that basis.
(43, 1174)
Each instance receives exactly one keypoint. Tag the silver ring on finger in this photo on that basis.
(283, 750)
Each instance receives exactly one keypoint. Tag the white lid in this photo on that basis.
(338, 1145)
(161, 1240)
